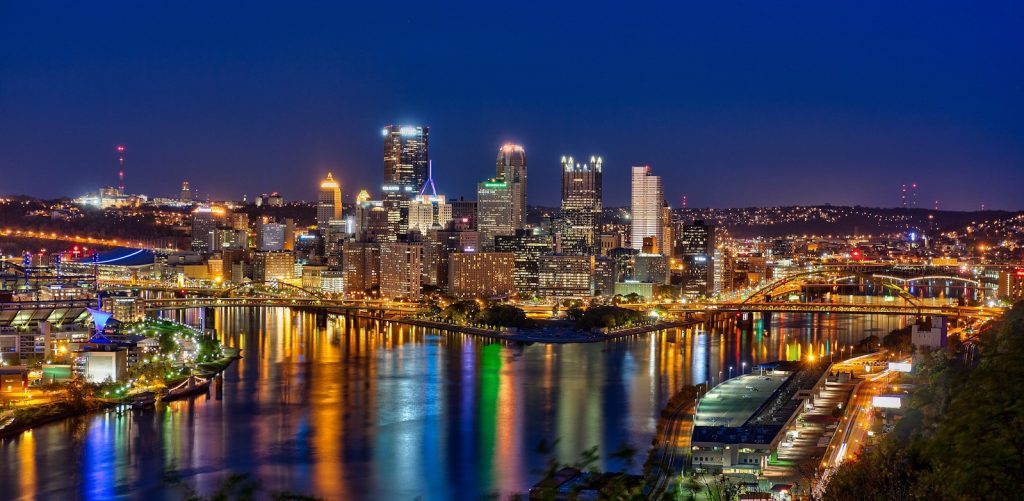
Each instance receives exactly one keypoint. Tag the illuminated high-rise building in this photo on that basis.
(646, 201)
(401, 266)
(204, 227)
(186, 193)
(696, 246)
(494, 211)
(582, 203)
(406, 171)
(427, 212)
(328, 206)
(406, 157)
(511, 166)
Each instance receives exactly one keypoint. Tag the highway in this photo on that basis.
(852, 435)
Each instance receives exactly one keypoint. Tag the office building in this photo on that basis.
(624, 258)
(1011, 285)
(511, 167)
(272, 266)
(332, 282)
(465, 211)
(427, 212)
(647, 199)
(406, 170)
(481, 274)
(494, 211)
(204, 225)
(644, 290)
(610, 241)
(651, 268)
(361, 264)
(328, 205)
(406, 157)
(239, 221)
(528, 249)
(564, 276)
(401, 266)
(696, 246)
(602, 276)
(270, 236)
(185, 196)
(582, 204)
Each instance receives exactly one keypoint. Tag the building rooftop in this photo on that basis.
(735, 401)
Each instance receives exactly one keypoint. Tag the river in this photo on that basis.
(362, 409)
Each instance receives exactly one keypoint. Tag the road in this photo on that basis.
(852, 434)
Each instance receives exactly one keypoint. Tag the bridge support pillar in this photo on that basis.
(209, 318)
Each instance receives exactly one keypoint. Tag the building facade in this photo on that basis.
(646, 200)
(511, 167)
(481, 274)
(401, 267)
(328, 205)
(582, 204)
(494, 211)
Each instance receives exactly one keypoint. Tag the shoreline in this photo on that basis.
(99, 405)
(571, 337)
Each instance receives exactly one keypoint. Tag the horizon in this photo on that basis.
(769, 105)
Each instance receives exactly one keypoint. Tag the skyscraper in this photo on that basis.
(428, 212)
(582, 204)
(494, 211)
(646, 202)
(204, 224)
(406, 170)
(186, 193)
(697, 247)
(401, 265)
(511, 166)
(406, 157)
(328, 206)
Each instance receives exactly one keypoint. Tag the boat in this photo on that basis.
(191, 386)
(143, 400)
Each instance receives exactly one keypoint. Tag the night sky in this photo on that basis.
(733, 103)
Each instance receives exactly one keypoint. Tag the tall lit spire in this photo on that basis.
(430, 180)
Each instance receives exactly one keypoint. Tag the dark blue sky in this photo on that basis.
(733, 103)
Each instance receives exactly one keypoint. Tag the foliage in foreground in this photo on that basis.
(962, 438)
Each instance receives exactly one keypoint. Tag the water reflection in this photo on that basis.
(366, 409)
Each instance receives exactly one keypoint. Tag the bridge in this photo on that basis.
(856, 308)
(328, 305)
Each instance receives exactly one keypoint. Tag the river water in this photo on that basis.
(361, 409)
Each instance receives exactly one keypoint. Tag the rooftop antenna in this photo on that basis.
(430, 180)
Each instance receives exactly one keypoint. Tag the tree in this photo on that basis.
(460, 311)
(78, 393)
(504, 315)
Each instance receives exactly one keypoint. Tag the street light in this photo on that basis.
(730, 372)
(744, 371)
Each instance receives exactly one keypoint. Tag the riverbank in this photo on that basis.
(543, 335)
(13, 423)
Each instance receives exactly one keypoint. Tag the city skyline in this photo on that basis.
(739, 117)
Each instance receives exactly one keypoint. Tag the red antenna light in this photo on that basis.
(120, 163)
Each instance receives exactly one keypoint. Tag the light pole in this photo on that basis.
(730, 372)
(719, 377)
(744, 371)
